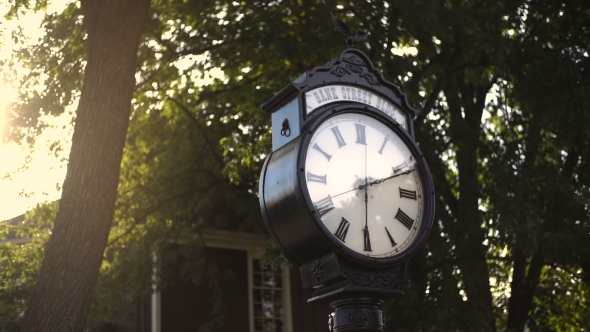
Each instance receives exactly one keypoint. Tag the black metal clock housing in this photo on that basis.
(346, 178)
(308, 219)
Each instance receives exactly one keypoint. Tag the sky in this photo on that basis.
(44, 173)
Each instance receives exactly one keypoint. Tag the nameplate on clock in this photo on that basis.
(337, 93)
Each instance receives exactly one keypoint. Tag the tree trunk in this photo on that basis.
(523, 287)
(62, 295)
(467, 232)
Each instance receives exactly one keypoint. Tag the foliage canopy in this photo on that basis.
(505, 99)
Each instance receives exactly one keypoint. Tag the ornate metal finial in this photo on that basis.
(358, 36)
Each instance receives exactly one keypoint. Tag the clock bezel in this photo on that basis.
(424, 174)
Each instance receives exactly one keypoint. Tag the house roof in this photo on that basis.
(11, 237)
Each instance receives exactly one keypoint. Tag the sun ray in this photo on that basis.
(45, 172)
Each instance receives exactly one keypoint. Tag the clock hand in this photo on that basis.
(362, 186)
(366, 185)
(378, 181)
(366, 229)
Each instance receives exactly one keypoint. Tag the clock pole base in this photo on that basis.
(356, 314)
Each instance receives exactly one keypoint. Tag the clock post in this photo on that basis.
(346, 193)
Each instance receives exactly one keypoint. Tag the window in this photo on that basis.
(269, 292)
(264, 296)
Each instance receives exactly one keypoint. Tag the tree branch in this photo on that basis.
(201, 130)
(198, 51)
(429, 104)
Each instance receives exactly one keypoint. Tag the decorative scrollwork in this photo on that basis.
(372, 80)
(354, 65)
(354, 68)
(318, 270)
(354, 60)
(372, 280)
(358, 317)
(339, 71)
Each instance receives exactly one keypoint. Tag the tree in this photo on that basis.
(74, 252)
(550, 156)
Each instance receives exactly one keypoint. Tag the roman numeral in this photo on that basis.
(324, 206)
(405, 220)
(342, 230)
(400, 167)
(338, 135)
(360, 134)
(316, 178)
(367, 239)
(383, 145)
(393, 244)
(403, 193)
(317, 147)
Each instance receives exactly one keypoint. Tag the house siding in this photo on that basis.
(306, 317)
(186, 307)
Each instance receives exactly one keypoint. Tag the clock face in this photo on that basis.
(364, 185)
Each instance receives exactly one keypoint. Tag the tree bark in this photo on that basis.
(62, 295)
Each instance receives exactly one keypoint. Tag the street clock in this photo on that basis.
(346, 194)
(346, 175)
(365, 182)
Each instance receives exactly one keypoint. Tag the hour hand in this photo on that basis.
(378, 181)
(359, 187)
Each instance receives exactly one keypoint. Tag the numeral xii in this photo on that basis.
(360, 134)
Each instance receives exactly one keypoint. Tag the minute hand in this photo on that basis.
(363, 186)
(378, 181)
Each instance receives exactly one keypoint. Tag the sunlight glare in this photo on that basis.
(6, 97)
(43, 175)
